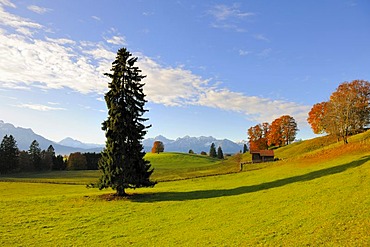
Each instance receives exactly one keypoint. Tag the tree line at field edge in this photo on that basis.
(14, 160)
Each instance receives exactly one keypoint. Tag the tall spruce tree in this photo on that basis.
(8, 154)
(35, 155)
(122, 162)
(212, 151)
(220, 154)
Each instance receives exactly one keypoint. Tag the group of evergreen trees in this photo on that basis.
(35, 159)
(212, 152)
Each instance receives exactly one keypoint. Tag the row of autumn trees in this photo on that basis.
(346, 113)
(14, 160)
(282, 131)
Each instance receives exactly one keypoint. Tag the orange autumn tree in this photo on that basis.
(283, 131)
(316, 117)
(346, 113)
(258, 136)
(158, 147)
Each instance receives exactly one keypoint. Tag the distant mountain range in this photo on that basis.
(24, 138)
(197, 144)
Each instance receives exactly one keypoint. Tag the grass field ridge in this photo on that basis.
(319, 194)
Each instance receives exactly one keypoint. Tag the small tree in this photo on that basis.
(212, 151)
(203, 153)
(257, 136)
(191, 151)
(92, 160)
(76, 161)
(158, 147)
(220, 154)
(122, 163)
(245, 148)
(59, 163)
(8, 154)
(48, 158)
(25, 162)
(35, 155)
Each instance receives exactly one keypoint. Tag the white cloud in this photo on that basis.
(223, 12)
(47, 64)
(244, 53)
(180, 87)
(61, 41)
(261, 37)
(228, 17)
(7, 3)
(225, 26)
(96, 18)
(147, 13)
(116, 40)
(38, 107)
(255, 108)
(38, 9)
(21, 25)
(170, 86)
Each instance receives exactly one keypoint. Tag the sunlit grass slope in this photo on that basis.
(317, 197)
(285, 204)
(167, 166)
(315, 145)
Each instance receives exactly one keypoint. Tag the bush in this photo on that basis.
(76, 161)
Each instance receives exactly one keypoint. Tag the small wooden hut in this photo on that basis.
(259, 156)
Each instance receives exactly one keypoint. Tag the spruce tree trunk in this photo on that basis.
(121, 191)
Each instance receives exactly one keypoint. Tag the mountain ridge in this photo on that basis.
(25, 136)
(197, 144)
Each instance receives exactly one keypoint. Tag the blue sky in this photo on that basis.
(214, 68)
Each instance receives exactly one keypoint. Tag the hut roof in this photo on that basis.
(263, 153)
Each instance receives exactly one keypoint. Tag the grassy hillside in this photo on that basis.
(320, 144)
(167, 166)
(316, 196)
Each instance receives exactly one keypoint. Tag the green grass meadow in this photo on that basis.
(318, 194)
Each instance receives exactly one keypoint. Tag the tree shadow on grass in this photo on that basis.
(206, 194)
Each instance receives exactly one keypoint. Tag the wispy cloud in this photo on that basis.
(228, 17)
(38, 9)
(116, 40)
(7, 3)
(223, 12)
(21, 25)
(39, 107)
(231, 27)
(53, 103)
(244, 52)
(261, 37)
(265, 53)
(148, 13)
(96, 18)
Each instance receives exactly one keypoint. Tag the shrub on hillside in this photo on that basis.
(76, 161)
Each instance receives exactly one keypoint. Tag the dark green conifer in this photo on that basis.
(220, 154)
(245, 148)
(212, 151)
(35, 155)
(122, 163)
(8, 154)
